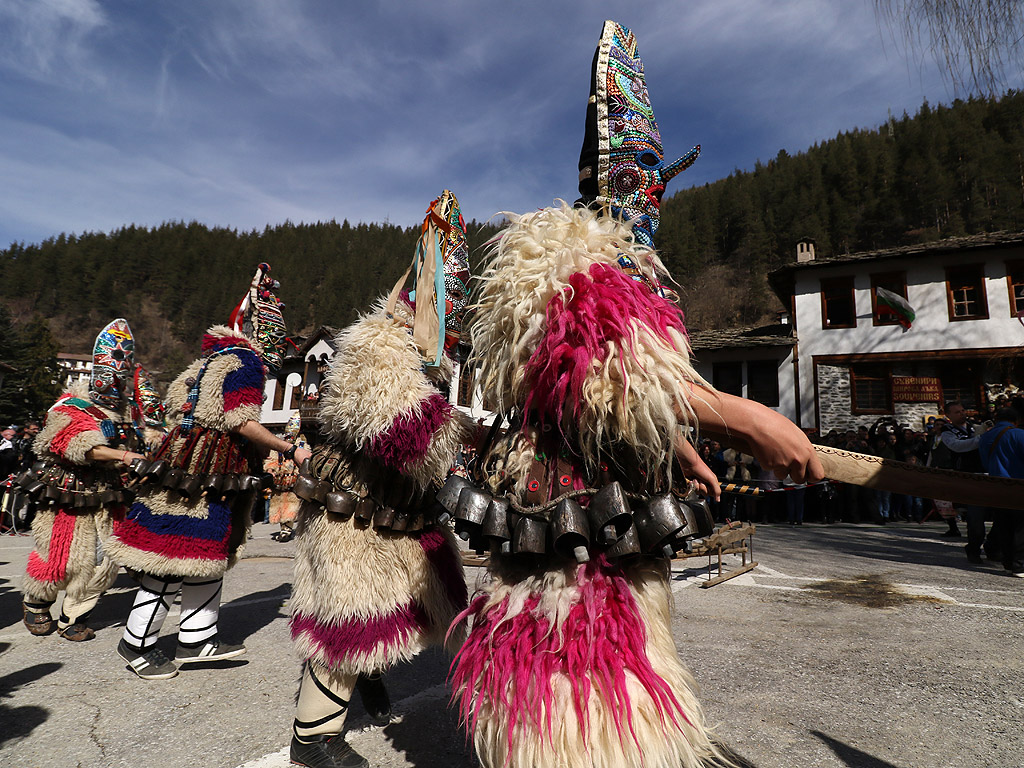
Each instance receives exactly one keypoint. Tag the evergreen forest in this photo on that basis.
(946, 171)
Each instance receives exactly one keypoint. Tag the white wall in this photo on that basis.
(705, 359)
(926, 293)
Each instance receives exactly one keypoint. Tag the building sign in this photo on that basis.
(916, 389)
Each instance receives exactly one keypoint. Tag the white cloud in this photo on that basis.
(247, 112)
(50, 40)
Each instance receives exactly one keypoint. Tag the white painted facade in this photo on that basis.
(704, 361)
(933, 338)
(73, 368)
(299, 378)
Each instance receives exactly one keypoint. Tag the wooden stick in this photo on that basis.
(964, 488)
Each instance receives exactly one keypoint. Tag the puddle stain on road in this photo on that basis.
(870, 591)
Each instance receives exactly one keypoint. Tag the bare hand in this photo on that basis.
(779, 445)
(695, 469)
(301, 454)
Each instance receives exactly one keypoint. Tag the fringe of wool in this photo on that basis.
(69, 432)
(634, 372)
(284, 506)
(576, 667)
(377, 395)
(364, 600)
(407, 440)
(168, 536)
(72, 541)
(231, 392)
(53, 564)
(220, 337)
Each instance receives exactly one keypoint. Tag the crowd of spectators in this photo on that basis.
(16, 455)
(830, 501)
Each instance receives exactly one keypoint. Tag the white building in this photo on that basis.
(855, 364)
(296, 386)
(755, 363)
(73, 368)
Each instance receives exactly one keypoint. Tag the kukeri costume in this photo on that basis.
(192, 515)
(570, 659)
(376, 579)
(76, 497)
(283, 503)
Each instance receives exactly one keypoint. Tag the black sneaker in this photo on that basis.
(149, 665)
(375, 698)
(212, 650)
(327, 752)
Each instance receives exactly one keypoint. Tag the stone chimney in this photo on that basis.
(804, 251)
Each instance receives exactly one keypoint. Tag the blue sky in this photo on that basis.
(244, 113)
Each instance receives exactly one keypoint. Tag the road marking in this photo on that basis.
(693, 577)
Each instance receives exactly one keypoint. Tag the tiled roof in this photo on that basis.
(781, 279)
(969, 242)
(742, 338)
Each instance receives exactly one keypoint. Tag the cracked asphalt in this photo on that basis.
(849, 645)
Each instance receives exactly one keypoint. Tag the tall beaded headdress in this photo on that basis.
(258, 315)
(113, 359)
(622, 163)
(147, 406)
(440, 269)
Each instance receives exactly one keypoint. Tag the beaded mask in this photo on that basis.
(258, 315)
(113, 357)
(147, 407)
(622, 163)
(441, 273)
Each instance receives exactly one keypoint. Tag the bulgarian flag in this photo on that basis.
(889, 303)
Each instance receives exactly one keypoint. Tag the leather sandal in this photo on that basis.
(37, 623)
(77, 633)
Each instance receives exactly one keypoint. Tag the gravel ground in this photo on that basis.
(857, 646)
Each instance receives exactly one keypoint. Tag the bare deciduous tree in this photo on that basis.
(978, 42)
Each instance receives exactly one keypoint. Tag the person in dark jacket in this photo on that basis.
(1002, 452)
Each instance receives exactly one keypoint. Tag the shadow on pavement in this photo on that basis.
(260, 610)
(738, 760)
(851, 756)
(114, 607)
(420, 695)
(905, 543)
(21, 721)
(10, 602)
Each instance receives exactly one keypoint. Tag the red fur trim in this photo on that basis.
(509, 660)
(408, 438)
(598, 310)
(242, 397)
(80, 422)
(54, 568)
(212, 342)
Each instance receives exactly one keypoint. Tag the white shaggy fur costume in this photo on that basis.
(68, 551)
(377, 582)
(567, 663)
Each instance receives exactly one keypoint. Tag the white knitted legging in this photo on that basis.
(200, 607)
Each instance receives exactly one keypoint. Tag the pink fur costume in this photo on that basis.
(572, 663)
(367, 596)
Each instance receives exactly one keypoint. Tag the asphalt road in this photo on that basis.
(857, 646)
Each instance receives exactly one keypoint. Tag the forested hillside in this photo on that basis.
(946, 171)
(173, 281)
